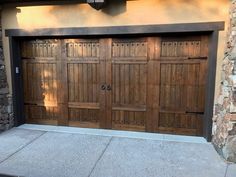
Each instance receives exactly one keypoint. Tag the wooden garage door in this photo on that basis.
(183, 69)
(40, 60)
(154, 84)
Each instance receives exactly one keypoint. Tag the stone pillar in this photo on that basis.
(6, 115)
(224, 120)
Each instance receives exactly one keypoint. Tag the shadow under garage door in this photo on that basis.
(153, 84)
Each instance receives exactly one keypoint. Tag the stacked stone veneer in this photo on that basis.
(224, 120)
(6, 115)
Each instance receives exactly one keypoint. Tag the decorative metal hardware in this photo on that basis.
(106, 87)
(109, 87)
(97, 4)
(17, 70)
(194, 112)
(199, 58)
(103, 87)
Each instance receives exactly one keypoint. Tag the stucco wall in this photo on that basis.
(134, 12)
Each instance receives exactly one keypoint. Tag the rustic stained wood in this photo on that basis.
(154, 84)
(182, 85)
(40, 58)
(129, 81)
(84, 67)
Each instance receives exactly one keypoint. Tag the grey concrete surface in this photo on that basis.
(115, 133)
(15, 139)
(58, 154)
(231, 171)
(139, 158)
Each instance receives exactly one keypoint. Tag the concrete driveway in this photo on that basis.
(47, 151)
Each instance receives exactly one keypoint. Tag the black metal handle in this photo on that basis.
(194, 112)
(199, 58)
(109, 87)
(103, 87)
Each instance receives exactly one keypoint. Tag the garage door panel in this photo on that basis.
(84, 117)
(47, 49)
(180, 123)
(41, 114)
(182, 85)
(128, 120)
(83, 78)
(79, 48)
(154, 84)
(40, 82)
(128, 48)
(181, 48)
(129, 84)
(129, 96)
(83, 82)
(172, 92)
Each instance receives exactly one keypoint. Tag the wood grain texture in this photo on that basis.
(182, 85)
(153, 84)
(40, 80)
(129, 78)
(84, 68)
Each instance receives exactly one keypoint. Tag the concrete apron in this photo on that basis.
(48, 151)
(115, 133)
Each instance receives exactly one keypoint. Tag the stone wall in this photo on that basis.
(224, 120)
(6, 115)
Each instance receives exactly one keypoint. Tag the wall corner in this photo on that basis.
(224, 119)
(6, 107)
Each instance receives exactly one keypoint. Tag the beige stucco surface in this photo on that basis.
(134, 12)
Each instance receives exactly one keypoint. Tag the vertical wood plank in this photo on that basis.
(102, 98)
(85, 83)
(76, 81)
(62, 75)
(153, 84)
(90, 79)
(81, 87)
(122, 83)
(127, 101)
(109, 82)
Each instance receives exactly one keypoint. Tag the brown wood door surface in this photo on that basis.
(129, 83)
(39, 59)
(154, 84)
(84, 77)
(182, 85)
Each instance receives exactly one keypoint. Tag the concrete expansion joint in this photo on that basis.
(226, 169)
(22, 147)
(100, 157)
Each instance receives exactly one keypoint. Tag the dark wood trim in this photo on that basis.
(119, 30)
(17, 82)
(40, 2)
(210, 87)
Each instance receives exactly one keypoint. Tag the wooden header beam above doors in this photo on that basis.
(96, 4)
(118, 30)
